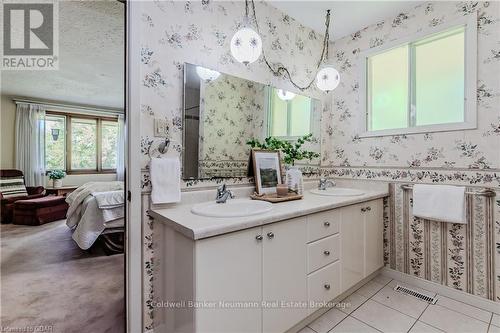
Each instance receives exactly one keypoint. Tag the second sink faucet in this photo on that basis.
(325, 183)
(223, 193)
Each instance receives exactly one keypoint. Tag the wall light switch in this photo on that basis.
(161, 127)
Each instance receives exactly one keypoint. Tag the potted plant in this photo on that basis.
(291, 151)
(56, 176)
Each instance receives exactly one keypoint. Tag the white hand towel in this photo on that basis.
(443, 203)
(165, 176)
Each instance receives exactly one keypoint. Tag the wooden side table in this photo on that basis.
(64, 190)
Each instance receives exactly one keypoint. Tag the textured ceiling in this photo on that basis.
(91, 53)
(347, 16)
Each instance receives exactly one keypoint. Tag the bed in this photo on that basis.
(96, 212)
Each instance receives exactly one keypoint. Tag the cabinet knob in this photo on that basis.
(326, 252)
(326, 224)
(363, 209)
(270, 235)
(368, 208)
(259, 237)
(327, 286)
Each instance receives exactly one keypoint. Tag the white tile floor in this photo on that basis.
(376, 307)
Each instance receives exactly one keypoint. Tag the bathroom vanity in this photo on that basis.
(266, 272)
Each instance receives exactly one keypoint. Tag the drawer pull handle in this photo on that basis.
(363, 209)
(259, 237)
(368, 208)
(327, 224)
(326, 252)
(327, 286)
(270, 235)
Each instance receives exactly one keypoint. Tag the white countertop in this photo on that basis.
(196, 227)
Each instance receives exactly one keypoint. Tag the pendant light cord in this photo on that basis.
(281, 70)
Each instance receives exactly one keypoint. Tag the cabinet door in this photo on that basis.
(284, 274)
(352, 248)
(229, 269)
(374, 236)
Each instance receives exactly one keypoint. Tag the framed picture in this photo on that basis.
(266, 170)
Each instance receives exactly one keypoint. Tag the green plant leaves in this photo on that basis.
(291, 151)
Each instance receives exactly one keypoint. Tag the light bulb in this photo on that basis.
(207, 74)
(328, 78)
(285, 95)
(246, 45)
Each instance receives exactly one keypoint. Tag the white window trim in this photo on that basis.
(470, 103)
(268, 119)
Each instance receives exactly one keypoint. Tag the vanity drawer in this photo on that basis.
(324, 284)
(322, 224)
(322, 252)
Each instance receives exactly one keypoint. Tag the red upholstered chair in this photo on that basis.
(7, 204)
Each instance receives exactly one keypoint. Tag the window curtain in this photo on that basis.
(30, 143)
(120, 156)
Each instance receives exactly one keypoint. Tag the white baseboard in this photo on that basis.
(458, 295)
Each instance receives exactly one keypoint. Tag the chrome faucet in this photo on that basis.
(324, 184)
(223, 194)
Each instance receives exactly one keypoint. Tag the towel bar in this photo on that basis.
(485, 192)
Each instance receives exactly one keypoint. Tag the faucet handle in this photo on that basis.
(322, 183)
(221, 188)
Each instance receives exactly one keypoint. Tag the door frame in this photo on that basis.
(133, 239)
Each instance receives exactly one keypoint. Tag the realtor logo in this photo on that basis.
(30, 36)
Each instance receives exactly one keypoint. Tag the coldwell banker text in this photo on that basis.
(30, 35)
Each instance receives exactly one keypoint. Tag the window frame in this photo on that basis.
(288, 118)
(469, 23)
(68, 147)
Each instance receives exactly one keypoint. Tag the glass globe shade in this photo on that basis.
(285, 95)
(207, 74)
(328, 78)
(246, 45)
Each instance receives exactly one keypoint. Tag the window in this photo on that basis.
(289, 118)
(83, 144)
(80, 144)
(425, 84)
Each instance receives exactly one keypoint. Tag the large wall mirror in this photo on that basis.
(222, 112)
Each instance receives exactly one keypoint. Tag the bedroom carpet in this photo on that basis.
(47, 280)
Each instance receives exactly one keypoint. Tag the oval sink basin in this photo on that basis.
(232, 208)
(339, 192)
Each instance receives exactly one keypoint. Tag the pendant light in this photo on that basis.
(327, 78)
(246, 44)
(246, 47)
(285, 95)
(206, 74)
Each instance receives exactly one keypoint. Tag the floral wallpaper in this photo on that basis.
(464, 257)
(231, 112)
(174, 32)
(471, 149)
(199, 32)
(460, 256)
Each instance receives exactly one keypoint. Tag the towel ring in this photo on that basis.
(162, 147)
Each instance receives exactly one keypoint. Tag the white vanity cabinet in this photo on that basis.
(362, 241)
(264, 264)
(374, 236)
(284, 274)
(228, 268)
(265, 279)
